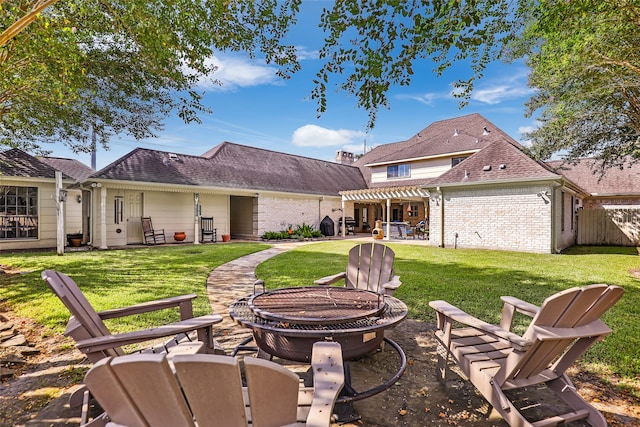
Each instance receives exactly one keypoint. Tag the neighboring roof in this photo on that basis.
(238, 166)
(17, 163)
(500, 161)
(74, 168)
(587, 173)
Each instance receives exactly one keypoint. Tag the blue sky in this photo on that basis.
(255, 107)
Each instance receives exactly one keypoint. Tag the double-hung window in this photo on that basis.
(18, 212)
(399, 171)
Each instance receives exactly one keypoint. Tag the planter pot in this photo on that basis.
(179, 236)
(76, 242)
(74, 236)
(226, 237)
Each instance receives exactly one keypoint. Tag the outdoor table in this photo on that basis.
(287, 321)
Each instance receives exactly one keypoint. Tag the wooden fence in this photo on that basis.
(613, 227)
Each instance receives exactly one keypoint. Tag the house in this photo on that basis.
(246, 190)
(30, 198)
(473, 184)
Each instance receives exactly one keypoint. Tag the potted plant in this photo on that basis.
(226, 237)
(74, 239)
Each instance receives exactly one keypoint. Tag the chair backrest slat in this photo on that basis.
(154, 388)
(213, 387)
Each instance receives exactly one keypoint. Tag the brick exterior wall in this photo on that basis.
(510, 218)
(276, 213)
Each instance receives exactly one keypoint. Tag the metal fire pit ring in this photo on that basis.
(294, 341)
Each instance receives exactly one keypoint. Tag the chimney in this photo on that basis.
(344, 157)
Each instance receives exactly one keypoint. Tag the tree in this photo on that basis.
(84, 68)
(585, 65)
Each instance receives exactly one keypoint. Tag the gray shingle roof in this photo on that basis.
(500, 161)
(74, 168)
(586, 173)
(238, 166)
(15, 162)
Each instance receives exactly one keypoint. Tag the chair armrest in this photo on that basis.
(391, 285)
(183, 301)
(328, 380)
(331, 279)
(513, 305)
(92, 345)
(447, 311)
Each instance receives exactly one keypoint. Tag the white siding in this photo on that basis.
(422, 169)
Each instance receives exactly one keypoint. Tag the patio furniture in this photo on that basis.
(497, 360)
(350, 225)
(370, 267)
(151, 235)
(94, 339)
(144, 390)
(207, 230)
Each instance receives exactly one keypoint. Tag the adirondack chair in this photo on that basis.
(497, 360)
(144, 390)
(370, 267)
(151, 235)
(92, 337)
(207, 229)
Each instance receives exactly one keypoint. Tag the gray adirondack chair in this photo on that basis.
(370, 267)
(496, 360)
(151, 235)
(207, 391)
(93, 338)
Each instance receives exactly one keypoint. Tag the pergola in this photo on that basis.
(378, 195)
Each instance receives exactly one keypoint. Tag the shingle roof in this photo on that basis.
(586, 173)
(238, 166)
(74, 168)
(500, 161)
(15, 162)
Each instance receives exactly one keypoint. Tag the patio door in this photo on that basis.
(133, 202)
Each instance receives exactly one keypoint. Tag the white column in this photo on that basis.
(387, 232)
(103, 217)
(60, 214)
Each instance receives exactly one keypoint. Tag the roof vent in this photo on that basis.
(502, 166)
(466, 175)
(455, 133)
(485, 131)
(487, 168)
(173, 156)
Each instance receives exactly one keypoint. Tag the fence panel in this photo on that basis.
(613, 227)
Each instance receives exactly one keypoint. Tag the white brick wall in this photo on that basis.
(512, 218)
(276, 213)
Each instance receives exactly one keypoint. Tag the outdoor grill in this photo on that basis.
(286, 322)
(350, 225)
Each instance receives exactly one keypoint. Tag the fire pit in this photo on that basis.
(286, 322)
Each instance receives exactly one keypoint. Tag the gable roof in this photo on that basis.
(457, 135)
(230, 165)
(17, 163)
(71, 167)
(499, 161)
(614, 181)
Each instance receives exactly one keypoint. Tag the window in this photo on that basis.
(413, 212)
(18, 212)
(399, 171)
(456, 160)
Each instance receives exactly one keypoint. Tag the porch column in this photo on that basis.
(196, 217)
(60, 214)
(387, 232)
(103, 217)
(344, 226)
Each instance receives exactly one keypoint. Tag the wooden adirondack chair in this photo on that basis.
(496, 360)
(94, 339)
(144, 390)
(370, 267)
(151, 235)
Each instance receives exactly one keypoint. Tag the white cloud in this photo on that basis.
(233, 72)
(302, 53)
(316, 136)
(512, 87)
(425, 98)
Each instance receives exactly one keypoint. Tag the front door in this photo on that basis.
(133, 209)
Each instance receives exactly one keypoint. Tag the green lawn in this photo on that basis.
(474, 280)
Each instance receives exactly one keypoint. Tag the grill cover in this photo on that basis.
(327, 227)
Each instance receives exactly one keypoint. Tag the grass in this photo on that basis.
(473, 280)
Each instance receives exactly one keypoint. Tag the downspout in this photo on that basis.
(441, 194)
(554, 243)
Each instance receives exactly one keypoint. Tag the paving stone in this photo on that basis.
(5, 335)
(6, 372)
(4, 326)
(14, 341)
(12, 359)
(26, 350)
